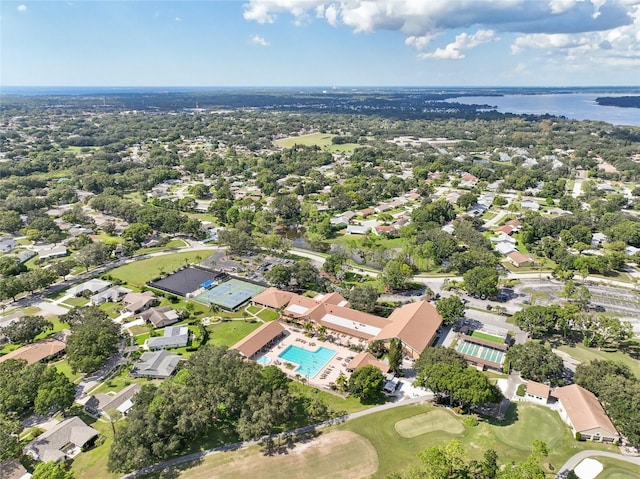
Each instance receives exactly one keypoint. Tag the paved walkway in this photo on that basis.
(579, 457)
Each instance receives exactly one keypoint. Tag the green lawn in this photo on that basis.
(228, 333)
(79, 301)
(511, 440)
(173, 244)
(335, 403)
(585, 354)
(487, 337)
(110, 240)
(614, 469)
(93, 463)
(140, 272)
(64, 367)
(112, 309)
(323, 140)
(268, 315)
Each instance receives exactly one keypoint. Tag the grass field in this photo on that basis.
(338, 454)
(487, 337)
(140, 272)
(335, 403)
(323, 140)
(393, 452)
(64, 367)
(228, 333)
(614, 469)
(439, 420)
(585, 354)
(268, 315)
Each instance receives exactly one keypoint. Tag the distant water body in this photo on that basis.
(577, 106)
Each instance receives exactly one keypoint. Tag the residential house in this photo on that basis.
(93, 286)
(173, 337)
(7, 244)
(36, 352)
(366, 212)
(342, 220)
(137, 302)
(530, 205)
(358, 229)
(581, 410)
(598, 239)
(52, 251)
(448, 228)
(122, 401)
(160, 316)
(383, 230)
(382, 207)
(519, 260)
(11, 318)
(505, 229)
(537, 392)
(24, 256)
(63, 441)
(12, 469)
(503, 238)
(504, 248)
(155, 364)
(112, 295)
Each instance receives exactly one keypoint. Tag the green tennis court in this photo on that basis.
(230, 295)
(482, 352)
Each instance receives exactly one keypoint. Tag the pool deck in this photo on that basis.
(329, 373)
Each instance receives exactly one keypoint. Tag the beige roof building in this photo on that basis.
(537, 392)
(273, 298)
(35, 352)
(256, 340)
(367, 359)
(415, 324)
(138, 302)
(581, 410)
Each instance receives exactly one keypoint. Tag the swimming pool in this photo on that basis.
(310, 362)
(264, 360)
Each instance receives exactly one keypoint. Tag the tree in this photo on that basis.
(238, 242)
(481, 281)
(55, 393)
(287, 209)
(363, 297)
(333, 263)
(602, 330)
(93, 254)
(592, 375)
(395, 355)
(537, 320)
(26, 329)
(395, 274)
(94, 338)
(535, 361)
(450, 309)
(279, 276)
(304, 273)
(366, 383)
(444, 461)
(51, 470)
(9, 443)
(467, 200)
(136, 232)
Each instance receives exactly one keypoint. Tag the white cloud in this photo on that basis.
(22, 8)
(258, 40)
(178, 19)
(462, 44)
(567, 28)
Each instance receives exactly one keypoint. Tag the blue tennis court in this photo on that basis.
(482, 352)
(230, 295)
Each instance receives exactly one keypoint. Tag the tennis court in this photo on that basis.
(230, 295)
(482, 352)
(185, 281)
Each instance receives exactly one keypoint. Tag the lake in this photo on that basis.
(577, 106)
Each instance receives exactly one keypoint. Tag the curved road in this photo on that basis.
(579, 457)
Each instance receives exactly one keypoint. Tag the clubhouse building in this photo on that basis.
(414, 324)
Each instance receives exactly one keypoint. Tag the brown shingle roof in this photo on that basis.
(583, 409)
(273, 298)
(538, 389)
(32, 353)
(367, 359)
(415, 324)
(252, 343)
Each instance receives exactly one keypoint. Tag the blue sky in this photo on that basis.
(320, 43)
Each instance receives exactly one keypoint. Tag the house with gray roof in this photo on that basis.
(7, 244)
(113, 295)
(161, 316)
(156, 364)
(63, 441)
(174, 337)
(122, 401)
(93, 286)
(12, 469)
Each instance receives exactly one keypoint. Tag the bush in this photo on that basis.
(471, 421)
(578, 436)
(521, 390)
